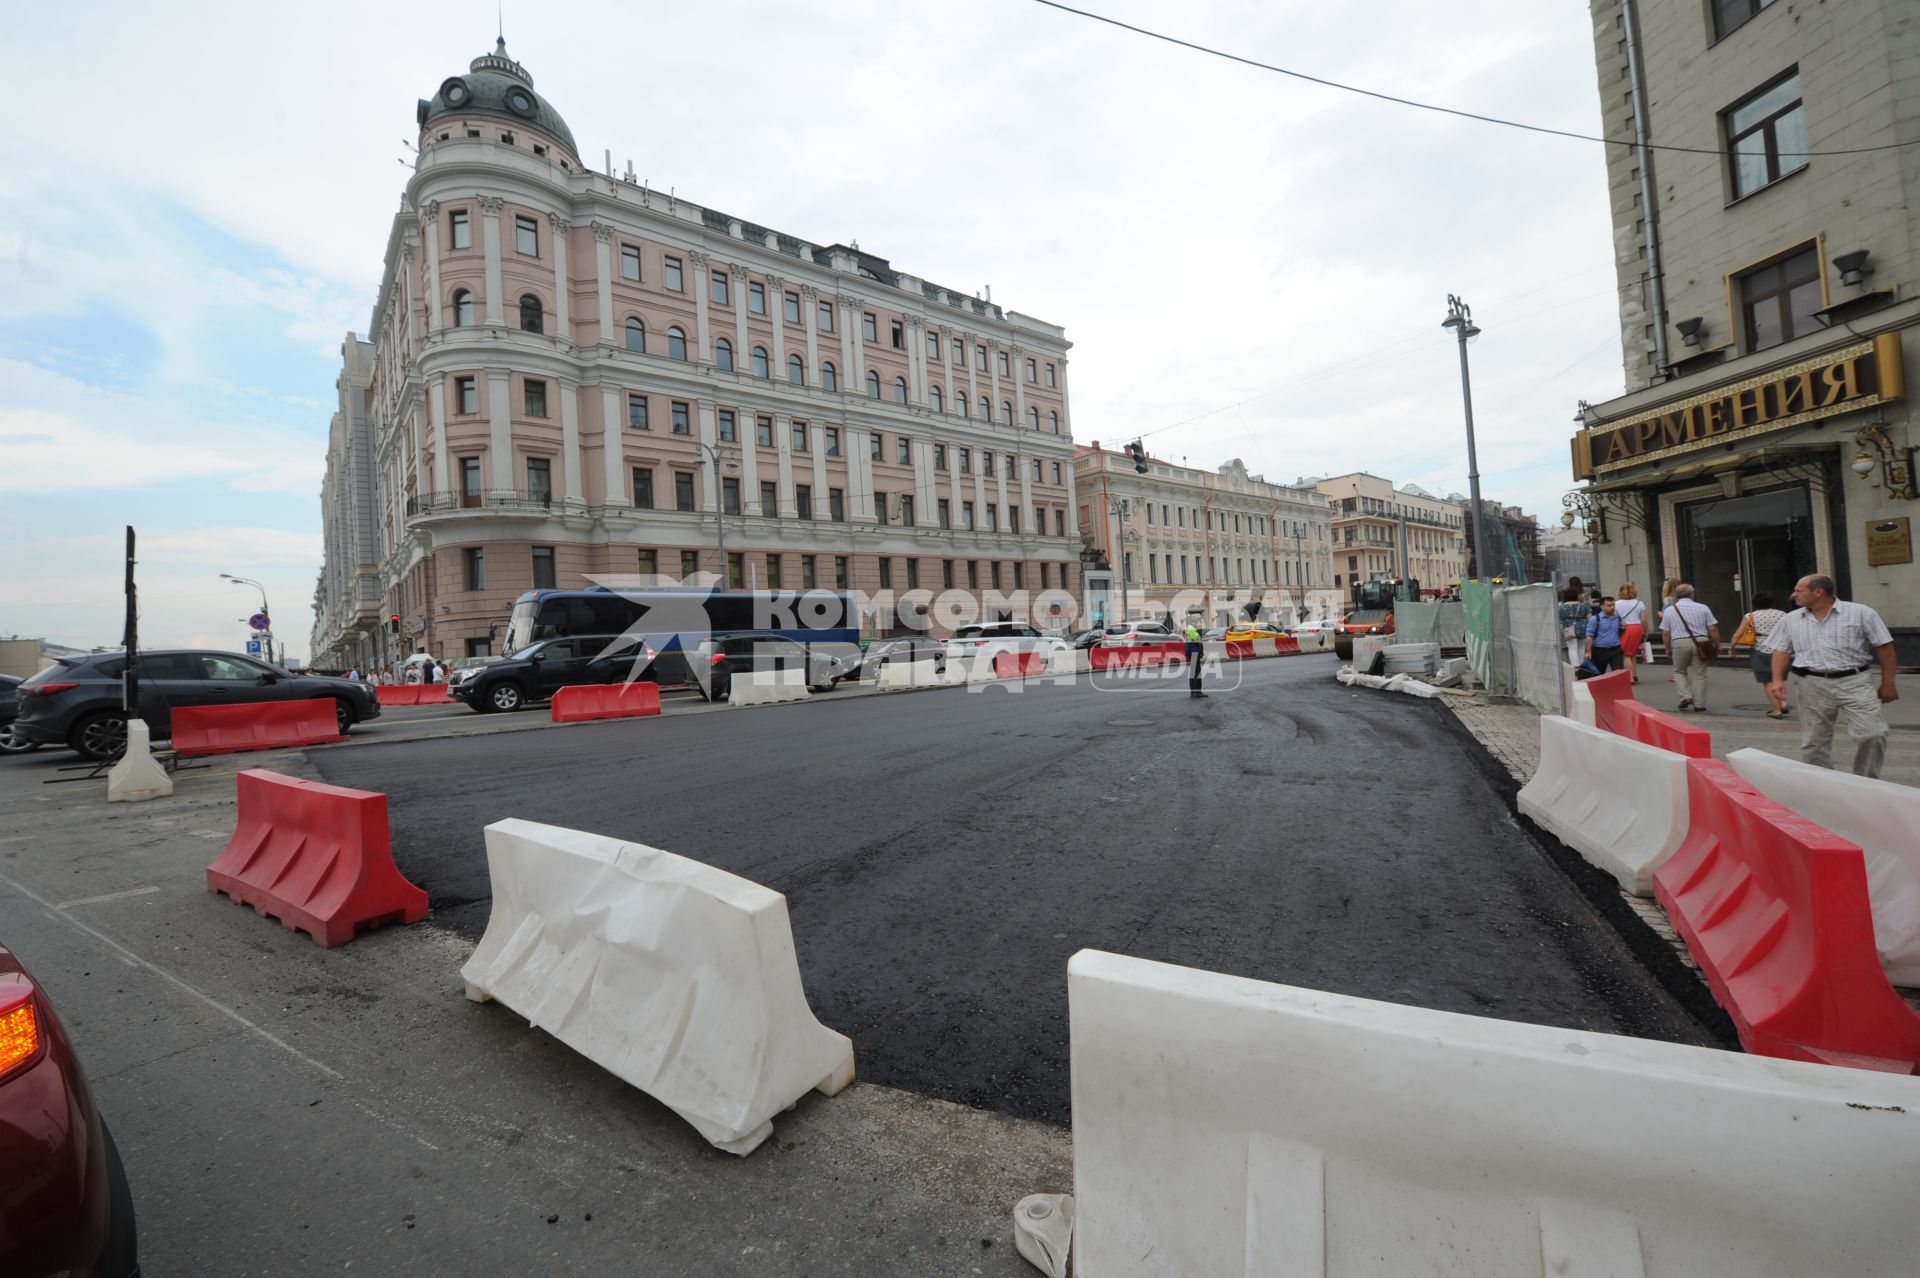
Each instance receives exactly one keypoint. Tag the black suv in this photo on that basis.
(76, 702)
(539, 670)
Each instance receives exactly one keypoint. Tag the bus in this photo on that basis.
(823, 619)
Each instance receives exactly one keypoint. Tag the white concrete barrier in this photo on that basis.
(1068, 661)
(910, 674)
(1620, 804)
(1315, 641)
(135, 777)
(674, 976)
(1224, 1126)
(1580, 705)
(1266, 647)
(1213, 651)
(1364, 648)
(767, 687)
(1880, 816)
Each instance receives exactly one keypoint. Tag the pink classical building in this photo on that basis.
(573, 375)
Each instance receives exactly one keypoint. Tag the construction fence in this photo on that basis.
(1513, 642)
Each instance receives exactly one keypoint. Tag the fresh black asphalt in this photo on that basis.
(943, 854)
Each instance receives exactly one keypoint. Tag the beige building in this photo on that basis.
(1176, 531)
(1381, 532)
(1768, 281)
(574, 376)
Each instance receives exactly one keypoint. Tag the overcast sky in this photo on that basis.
(197, 198)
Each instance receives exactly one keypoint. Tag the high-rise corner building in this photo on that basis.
(570, 376)
(1768, 259)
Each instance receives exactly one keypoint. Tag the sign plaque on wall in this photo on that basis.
(1889, 541)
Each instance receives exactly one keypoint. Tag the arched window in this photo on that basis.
(636, 336)
(986, 410)
(1006, 412)
(829, 378)
(796, 370)
(873, 386)
(939, 405)
(462, 309)
(676, 343)
(1033, 415)
(899, 390)
(723, 355)
(760, 361)
(961, 400)
(531, 320)
(1056, 422)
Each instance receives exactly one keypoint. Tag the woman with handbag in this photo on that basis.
(1755, 626)
(1633, 626)
(1572, 616)
(1693, 637)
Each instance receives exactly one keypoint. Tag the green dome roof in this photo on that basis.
(498, 86)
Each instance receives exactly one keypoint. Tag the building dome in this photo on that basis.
(496, 85)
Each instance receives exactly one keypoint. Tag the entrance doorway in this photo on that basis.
(1732, 548)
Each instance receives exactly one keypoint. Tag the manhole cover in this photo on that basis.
(1129, 723)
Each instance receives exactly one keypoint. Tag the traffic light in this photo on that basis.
(393, 623)
(1138, 451)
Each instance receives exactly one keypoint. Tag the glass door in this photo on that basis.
(1736, 547)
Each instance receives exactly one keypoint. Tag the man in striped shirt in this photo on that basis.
(1833, 646)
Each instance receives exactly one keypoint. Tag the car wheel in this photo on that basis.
(504, 695)
(13, 744)
(344, 715)
(100, 736)
(122, 1252)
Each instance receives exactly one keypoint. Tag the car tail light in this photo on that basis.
(716, 658)
(19, 1026)
(45, 689)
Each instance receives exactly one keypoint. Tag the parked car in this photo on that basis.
(9, 708)
(913, 648)
(1088, 638)
(992, 638)
(1215, 635)
(1127, 633)
(760, 651)
(1326, 625)
(539, 670)
(1246, 630)
(77, 702)
(65, 1205)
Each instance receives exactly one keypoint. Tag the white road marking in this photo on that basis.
(170, 978)
(108, 896)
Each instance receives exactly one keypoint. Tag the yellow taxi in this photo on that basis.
(1246, 630)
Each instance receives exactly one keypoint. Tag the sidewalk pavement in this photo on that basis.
(1736, 715)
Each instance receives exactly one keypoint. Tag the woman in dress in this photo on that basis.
(1763, 619)
(1572, 616)
(1627, 606)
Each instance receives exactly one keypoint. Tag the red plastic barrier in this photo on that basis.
(1132, 655)
(1608, 691)
(398, 694)
(1286, 645)
(1239, 649)
(1643, 723)
(253, 725)
(1775, 911)
(581, 702)
(316, 857)
(432, 694)
(1018, 665)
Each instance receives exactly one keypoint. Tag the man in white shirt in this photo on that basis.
(1686, 623)
(1833, 646)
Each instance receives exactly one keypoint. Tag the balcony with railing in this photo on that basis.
(536, 502)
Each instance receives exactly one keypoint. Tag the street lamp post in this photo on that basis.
(719, 505)
(264, 610)
(1460, 320)
(1123, 508)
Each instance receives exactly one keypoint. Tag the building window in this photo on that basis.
(630, 261)
(736, 571)
(531, 318)
(832, 445)
(1038, 475)
(880, 506)
(682, 418)
(829, 377)
(1056, 472)
(1013, 522)
(462, 309)
(466, 396)
(943, 512)
(759, 362)
(683, 490)
(1060, 523)
(826, 317)
(1033, 373)
(939, 456)
(1777, 302)
(946, 574)
(933, 346)
(1729, 15)
(476, 568)
(763, 432)
(986, 410)
(980, 358)
(730, 495)
(649, 562)
(899, 336)
(870, 327)
(873, 385)
(790, 307)
(807, 581)
(913, 574)
(770, 499)
(837, 505)
(637, 413)
(877, 446)
(1006, 411)
(986, 461)
(1050, 375)
(469, 481)
(799, 430)
(459, 230)
(973, 574)
(773, 572)
(727, 431)
(636, 337)
(1056, 421)
(643, 487)
(543, 568)
(886, 573)
(796, 371)
(905, 453)
(960, 403)
(906, 509)
(756, 297)
(1004, 372)
(959, 351)
(676, 344)
(723, 355)
(899, 390)
(966, 515)
(994, 568)
(1033, 416)
(674, 282)
(720, 293)
(966, 461)
(1044, 575)
(993, 520)
(934, 397)
(689, 563)
(536, 397)
(526, 236)
(1767, 135)
(839, 572)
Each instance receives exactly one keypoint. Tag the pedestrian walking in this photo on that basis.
(413, 673)
(1603, 637)
(1195, 651)
(1693, 637)
(1633, 627)
(1571, 613)
(1760, 623)
(1833, 646)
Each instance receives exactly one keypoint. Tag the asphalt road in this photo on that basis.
(944, 852)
